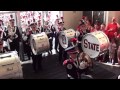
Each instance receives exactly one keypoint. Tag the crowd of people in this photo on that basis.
(68, 57)
(112, 32)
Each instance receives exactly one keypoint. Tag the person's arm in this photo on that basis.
(107, 28)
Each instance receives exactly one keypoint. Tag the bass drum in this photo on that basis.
(95, 43)
(39, 43)
(10, 66)
(65, 36)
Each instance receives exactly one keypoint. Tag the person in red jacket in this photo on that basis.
(112, 28)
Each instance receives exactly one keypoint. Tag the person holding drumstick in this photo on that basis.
(71, 64)
(37, 59)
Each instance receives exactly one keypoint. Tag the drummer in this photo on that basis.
(71, 64)
(39, 26)
(62, 53)
(26, 43)
(15, 38)
(35, 58)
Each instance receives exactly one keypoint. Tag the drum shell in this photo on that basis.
(68, 34)
(10, 66)
(39, 43)
(99, 38)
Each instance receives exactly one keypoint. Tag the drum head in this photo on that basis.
(65, 36)
(91, 45)
(39, 43)
(63, 40)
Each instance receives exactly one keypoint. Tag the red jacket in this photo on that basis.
(114, 28)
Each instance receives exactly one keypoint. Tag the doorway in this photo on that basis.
(95, 15)
(98, 15)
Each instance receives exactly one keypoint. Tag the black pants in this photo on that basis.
(65, 55)
(37, 59)
(80, 47)
(14, 46)
(60, 55)
(51, 45)
(27, 50)
(56, 43)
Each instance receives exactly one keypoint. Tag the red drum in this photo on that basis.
(95, 43)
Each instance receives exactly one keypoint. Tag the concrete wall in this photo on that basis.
(111, 14)
(71, 18)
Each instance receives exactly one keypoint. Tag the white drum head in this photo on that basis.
(65, 36)
(63, 40)
(90, 45)
(39, 43)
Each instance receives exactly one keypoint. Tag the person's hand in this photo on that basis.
(115, 34)
(110, 29)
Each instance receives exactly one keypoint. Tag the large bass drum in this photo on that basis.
(39, 43)
(10, 66)
(65, 36)
(95, 43)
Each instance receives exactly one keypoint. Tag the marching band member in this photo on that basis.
(49, 33)
(1, 29)
(35, 58)
(82, 33)
(27, 48)
(77, 64)
(40, 28)
(13, 35)
(84, 18)
(62, 53)
(3, 35)
(50, 36)
(112, 28)
(56, 33)
(71, 64)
